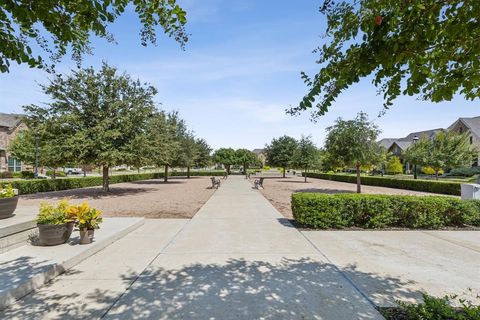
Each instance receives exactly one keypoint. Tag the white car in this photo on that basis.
(73, 170)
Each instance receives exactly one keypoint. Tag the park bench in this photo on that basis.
(259, 183)
(215, 182)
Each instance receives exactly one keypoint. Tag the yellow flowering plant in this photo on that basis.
(87, 218)
(55, 214)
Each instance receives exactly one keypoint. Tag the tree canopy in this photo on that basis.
(245, 158)
(354, 143)
(427, 48)
(95, 116)
(280, 152)
(226, 157)
(31, 29)
(306, 155)
(446, 150)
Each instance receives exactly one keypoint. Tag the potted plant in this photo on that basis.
(55, 223)
(87, 220)
(8, 201)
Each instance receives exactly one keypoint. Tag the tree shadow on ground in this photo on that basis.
(95, 193)
(284, 288)
(156, 182)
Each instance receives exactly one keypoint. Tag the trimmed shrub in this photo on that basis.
(58, 174)
(464, 172)
(46, 185)
(430, 170)
(6, 175)
(442, 187)
(394, 166)
(27, 174)
(316, 210)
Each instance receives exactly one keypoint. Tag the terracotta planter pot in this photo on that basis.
(8, 206)
(85, 237)
(52, 235)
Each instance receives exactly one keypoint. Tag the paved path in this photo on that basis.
(238, 258)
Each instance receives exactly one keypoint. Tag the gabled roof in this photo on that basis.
(258, 151)
(471, 123)
(404, 143)
(387, 142)
(10, 120)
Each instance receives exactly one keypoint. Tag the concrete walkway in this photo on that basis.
(238, 258)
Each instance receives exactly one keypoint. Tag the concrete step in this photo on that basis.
(29, 267)
(15, 231)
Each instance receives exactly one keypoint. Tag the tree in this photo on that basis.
(445, 151)
(160, 140)
(95, 116)
(226, 157)
(29, 29)
(354, 143)
(280, 152)
(427, 48)
(306, 155)
(394, 166)
(245, 158)
(187, 153)
(204, 158)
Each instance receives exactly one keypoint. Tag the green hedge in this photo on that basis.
(45, 185)
(442, 187)
(370, 211)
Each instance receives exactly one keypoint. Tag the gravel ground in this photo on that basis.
(179, 198)
(279, 190)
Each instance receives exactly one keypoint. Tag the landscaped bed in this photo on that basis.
(339, 211)
(179, 198)
(279, 190)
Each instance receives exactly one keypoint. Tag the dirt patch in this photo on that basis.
(178, 198)
(279, 190)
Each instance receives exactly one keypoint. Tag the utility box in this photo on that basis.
(470, 191)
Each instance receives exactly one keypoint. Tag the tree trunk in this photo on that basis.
(84, 171)
(54, 174)
(305, 174)
(188, 172)
(228, 168)
(359, 185)
(106, 180)
(284, 170)
(436, 175)
(165, 175)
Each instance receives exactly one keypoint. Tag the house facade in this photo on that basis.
(10, 126)
(261, 155)
(471, 126)
(397, 146)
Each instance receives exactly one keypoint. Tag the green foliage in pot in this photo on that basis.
(55, 214)
(6, 191)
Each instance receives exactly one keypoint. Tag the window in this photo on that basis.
(14, 165)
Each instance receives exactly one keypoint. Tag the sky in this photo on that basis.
(238, 73)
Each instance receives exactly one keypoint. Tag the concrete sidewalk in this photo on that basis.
(238, 258)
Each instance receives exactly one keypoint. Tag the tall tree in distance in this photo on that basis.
(245, 158)
(226, 157)
(426, 48)
(354, 143)
(280, 152)
(306, 155)
(31, 29)
(204, 158)
(187, 153)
